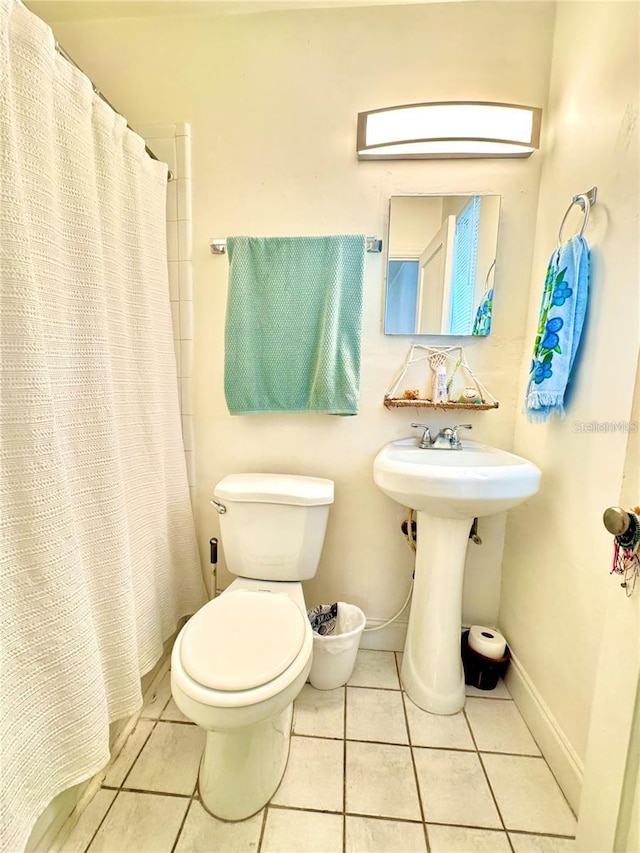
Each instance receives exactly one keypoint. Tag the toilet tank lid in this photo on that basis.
(276, 488)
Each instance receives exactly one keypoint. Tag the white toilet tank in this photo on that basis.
(274, 524)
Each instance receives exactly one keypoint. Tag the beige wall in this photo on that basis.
(610, 799)
(558, 554)
(272, 101)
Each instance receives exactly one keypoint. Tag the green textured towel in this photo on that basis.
(294, 316)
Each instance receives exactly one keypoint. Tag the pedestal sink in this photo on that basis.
(448, 488)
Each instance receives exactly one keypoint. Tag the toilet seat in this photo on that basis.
(242, 640)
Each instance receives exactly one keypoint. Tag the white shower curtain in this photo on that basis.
(98, 553)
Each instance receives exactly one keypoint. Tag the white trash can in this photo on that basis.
(334, 655)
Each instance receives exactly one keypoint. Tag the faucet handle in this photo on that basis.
(455, 439)
(426, 440)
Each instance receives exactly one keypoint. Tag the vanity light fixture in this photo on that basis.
(448, 130)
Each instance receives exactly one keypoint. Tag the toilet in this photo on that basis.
(241, 660)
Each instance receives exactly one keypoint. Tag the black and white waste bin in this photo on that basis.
(337, 631)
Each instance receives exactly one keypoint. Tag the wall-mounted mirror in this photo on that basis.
(440, 265)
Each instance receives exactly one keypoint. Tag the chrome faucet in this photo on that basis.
(426, 441)
(456, 444)
(446, 439)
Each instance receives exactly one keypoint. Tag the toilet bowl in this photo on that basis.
(247, 717)
(241, 660)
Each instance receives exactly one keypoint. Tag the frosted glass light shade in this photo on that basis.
(455, 129)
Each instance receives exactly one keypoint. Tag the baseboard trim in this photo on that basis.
(389, 639)
(561, 757)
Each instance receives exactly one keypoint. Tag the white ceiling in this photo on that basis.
(84, 10)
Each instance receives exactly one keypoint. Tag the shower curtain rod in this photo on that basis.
(63, 53)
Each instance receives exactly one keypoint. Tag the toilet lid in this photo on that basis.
(242, 639)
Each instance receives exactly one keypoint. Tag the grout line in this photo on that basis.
(184, 819)
(491, 698)
(157, 793)
(413, 761)
(415, 822)
(316, 737)
(263, 826)
(397, 689)
(344, 773)
(443, 748)
(486, 776)
(385, 817)
(285, 807)
(471, 826)
(135, 760)
(541, 834)
(104, 817)
(512, 754)
(419, 745)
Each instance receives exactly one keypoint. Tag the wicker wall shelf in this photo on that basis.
(395, 402)
(455, 363)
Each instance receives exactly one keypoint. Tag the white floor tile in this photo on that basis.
(155, 700)
(169, 761)
(459, 839)
(499, 691)
(371, 835)
(527, 794)
(303, 832)
(89, 821)
(140, 823)
(319, 712)
(375, 715)
(314, 775)
(498, 727)
(123, 762)
(203, 833)
(450, 732)
(375, 669)
(454, 789)
(172, 712)
(381, 782)
(540, 844)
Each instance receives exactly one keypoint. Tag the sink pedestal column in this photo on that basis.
(432, 671)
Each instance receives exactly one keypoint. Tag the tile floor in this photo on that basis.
(368, 772)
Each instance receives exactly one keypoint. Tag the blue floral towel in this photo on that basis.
(564, 304)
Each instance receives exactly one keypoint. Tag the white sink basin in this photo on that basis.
(475, 481)
(448, 488)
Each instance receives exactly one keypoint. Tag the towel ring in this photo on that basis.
(585, 203)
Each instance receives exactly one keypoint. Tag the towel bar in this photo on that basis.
(218, 245)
